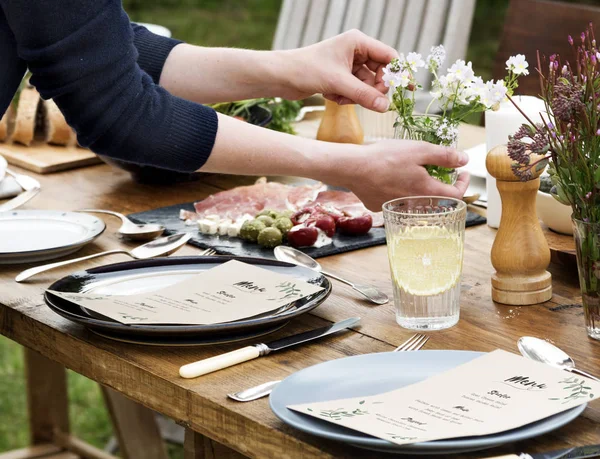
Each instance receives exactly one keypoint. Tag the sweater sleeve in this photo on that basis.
(81, 53)
(13, 68)
(153, 50)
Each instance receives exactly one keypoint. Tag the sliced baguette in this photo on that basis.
(24, 130)
(56, 129)
(7, 124)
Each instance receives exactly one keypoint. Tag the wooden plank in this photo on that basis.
(315, 22)
(197, 446)
(411, 25)
(296, 24)
(373, 17)
(392, 21)
(283, 23)
(47, 399)
(32, 452)
(136, 429)
(354, 14)
(458, 29)
(78, 447)
(45, 159)
(335, 18)
(562, 247)
(432, 30)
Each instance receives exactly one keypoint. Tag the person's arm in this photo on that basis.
(376, 173)
(153, 50)
(81, 54)
(347, 68)
(13, 67)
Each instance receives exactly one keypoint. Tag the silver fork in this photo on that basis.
(208, 253)
(414, 343)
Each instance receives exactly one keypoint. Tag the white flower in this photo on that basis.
(446, 131)
(494, 93)
(517, 64)
(478, 86)
(393, 79)
(460, 71)
(436, 57)
(414, 61)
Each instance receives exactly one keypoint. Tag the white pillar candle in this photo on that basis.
(499, 125)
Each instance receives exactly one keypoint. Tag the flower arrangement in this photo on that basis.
(567, 136)
(459, 93)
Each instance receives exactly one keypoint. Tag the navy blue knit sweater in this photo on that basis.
(102, 72)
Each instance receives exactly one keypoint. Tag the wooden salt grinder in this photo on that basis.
(340, 124)
(520, 253)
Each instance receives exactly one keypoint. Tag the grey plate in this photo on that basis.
(373, 374)
(36, 235)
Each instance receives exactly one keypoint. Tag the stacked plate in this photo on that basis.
(144, 276)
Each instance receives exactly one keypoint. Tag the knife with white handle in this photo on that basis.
(203, 367)
(577, 452)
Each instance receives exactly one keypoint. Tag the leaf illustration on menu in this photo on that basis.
(340, 413)
(400, 437)
(288, 290)
(577, 390)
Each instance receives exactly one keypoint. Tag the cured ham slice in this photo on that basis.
(249, 200)
(346, 202)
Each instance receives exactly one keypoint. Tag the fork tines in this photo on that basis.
(414, 343)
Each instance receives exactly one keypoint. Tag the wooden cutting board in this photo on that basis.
(44, 159)
(562, 247)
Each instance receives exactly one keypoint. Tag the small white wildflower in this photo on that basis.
(393, 79)
(494, 93)
(517, 64)
(478, 86)
(436, 57)
(414, 61)
(404, 78)
(446, 131)
(461, 71)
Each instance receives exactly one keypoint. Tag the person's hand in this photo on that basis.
(347, 69)
(394, 169)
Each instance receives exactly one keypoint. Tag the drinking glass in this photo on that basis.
(425, 240)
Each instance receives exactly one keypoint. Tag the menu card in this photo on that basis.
(490, 394)
(231, 291)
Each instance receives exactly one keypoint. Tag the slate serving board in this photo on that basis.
(169, 218)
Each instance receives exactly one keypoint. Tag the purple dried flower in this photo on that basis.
(570, 40)
(582, 37)
(567, 100)
(552, 57)
(598, 132)
(588, 195)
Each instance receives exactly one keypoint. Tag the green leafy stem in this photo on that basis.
(577, 388)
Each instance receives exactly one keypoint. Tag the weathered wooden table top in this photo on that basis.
(149, 375)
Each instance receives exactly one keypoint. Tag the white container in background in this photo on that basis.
(499, 125)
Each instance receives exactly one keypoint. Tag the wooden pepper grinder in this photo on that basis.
(520, 253)
(340, 124)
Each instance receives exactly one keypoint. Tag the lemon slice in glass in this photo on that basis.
(427, 260)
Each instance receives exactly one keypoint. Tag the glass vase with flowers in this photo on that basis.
(566, 138)
(457, 94)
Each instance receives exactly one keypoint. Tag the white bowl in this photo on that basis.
(554, 214)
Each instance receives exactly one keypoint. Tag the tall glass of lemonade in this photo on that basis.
(425, 239)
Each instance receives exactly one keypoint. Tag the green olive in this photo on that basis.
(283, 224)
(250, 230)
(268, 221)
(270, 237)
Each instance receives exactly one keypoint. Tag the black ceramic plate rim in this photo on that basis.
(93, 233)
(174, 261)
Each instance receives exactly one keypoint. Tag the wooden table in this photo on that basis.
(149, 375)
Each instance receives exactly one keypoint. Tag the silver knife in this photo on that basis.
(19, 200)
(578, 452)
(203, 367)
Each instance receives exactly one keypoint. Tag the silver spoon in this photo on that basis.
(159, 247)
(296, 257)
(130, 230)
(545, 352)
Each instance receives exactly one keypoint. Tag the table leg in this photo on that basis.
(135, 427)
(197, 446)
(47, 398)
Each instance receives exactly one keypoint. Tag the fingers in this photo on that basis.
(457, 191)
(370, 49)
(438, 155)
(362, 93)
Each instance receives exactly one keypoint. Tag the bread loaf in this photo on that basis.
(7, 124)
(25, 119)
(55, 127)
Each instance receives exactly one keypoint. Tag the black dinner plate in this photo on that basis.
(135, 277)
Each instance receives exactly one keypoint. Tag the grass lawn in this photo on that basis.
(249, 24)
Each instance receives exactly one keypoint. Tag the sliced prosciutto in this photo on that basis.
(347, 203)
(249, 200)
